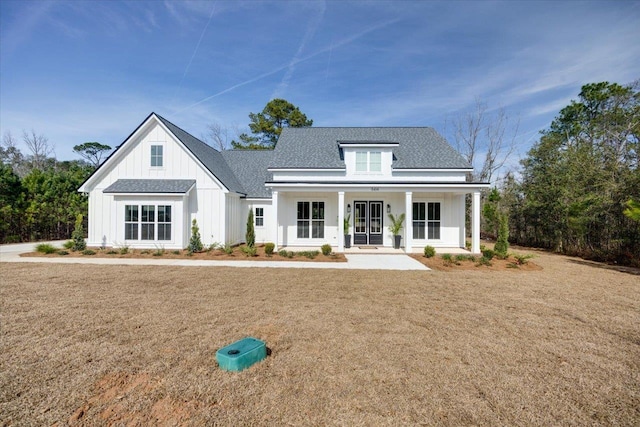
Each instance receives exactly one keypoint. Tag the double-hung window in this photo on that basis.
(368, 161)
(142, 223)
(310, 220)
(426, 220)
(156, 156)
(259, 217)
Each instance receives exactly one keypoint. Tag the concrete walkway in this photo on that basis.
(11, 253)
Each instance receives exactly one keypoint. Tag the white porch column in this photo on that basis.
(276, 221)
(340, 221)
(475, 223)
(462, 219)
(408, 227)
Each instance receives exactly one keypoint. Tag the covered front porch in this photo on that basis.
(310, 215)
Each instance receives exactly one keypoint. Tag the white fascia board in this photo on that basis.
(368, 144)
(431, 170)
(301, 186)
(305, 169)
(148, 194)
(117, 154)
(193, 157)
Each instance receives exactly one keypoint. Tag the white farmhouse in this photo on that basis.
(146, 194)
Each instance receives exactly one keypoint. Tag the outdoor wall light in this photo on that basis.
(349, 208)
(388, 208)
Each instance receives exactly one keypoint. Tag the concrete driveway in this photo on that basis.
(11, 253)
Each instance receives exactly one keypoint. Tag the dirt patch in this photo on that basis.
(212, 255)
(135, 345)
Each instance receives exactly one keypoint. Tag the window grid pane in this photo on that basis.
(375, 161)
(156, 155)
(361, 161)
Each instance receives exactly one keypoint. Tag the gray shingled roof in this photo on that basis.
(175, 186)
(250, 167)
(316, 147)
(208, 156)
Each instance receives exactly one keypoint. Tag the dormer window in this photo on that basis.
(368, 161)
(156, 156)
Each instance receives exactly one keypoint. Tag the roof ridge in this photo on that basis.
(188, 133)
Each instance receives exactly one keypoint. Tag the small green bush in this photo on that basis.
(111, 252)
(326, 249)
(429, 251)
(462, 257)
(268, 248)
(77, 236)
(488, 254)
(195, 243)
(467, 244)
(62, 252)
(249, 251)
(484, 261)
(145, 252)
(158, 252)
(447, 259)
(285, 254)
(176, 252)
(68, 244)
(227, 249)
(308, 254)
(88, 252)
(46, 248)
(124, 250)
(213, 246)
(522, 259)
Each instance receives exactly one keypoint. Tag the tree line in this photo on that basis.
(578, 188)
(38, 194)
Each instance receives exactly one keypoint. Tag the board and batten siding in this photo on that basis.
(205, 203)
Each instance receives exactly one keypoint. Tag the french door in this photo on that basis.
(368, 223)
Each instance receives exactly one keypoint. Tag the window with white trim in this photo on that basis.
(141, 222)
(310, 220)
(259, 217)
(426, 220)
(156, 156)
(368, 161)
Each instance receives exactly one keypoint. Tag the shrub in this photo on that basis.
(488, 254)
(78, 235)
(467, 244)
(176, 252)
(268, 248)
(88, 252)
(447, 259)
(124, 250)
(195, 243)
(484, 261)
(213, 246)
(462, 257)
(145, 252)
(250, 235)
(62, 252)
(522, 259)
(307, 254)
(326, 249)
(46, 248)
(429, 251)
(249, 251)
(111, 252)
(159, 251)
(285, 254)
(68, 244)
(502, 242)
(227, 249)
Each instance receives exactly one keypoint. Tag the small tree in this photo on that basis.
(250, 235)
(195, 244)
(502, 242)
(78, 235)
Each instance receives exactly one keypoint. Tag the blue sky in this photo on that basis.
(92, 71)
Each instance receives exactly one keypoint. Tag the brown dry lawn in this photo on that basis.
(105, 345)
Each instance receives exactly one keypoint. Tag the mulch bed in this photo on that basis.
(213, 255)
(437, 263)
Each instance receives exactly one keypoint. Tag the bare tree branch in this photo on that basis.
(39, 147)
